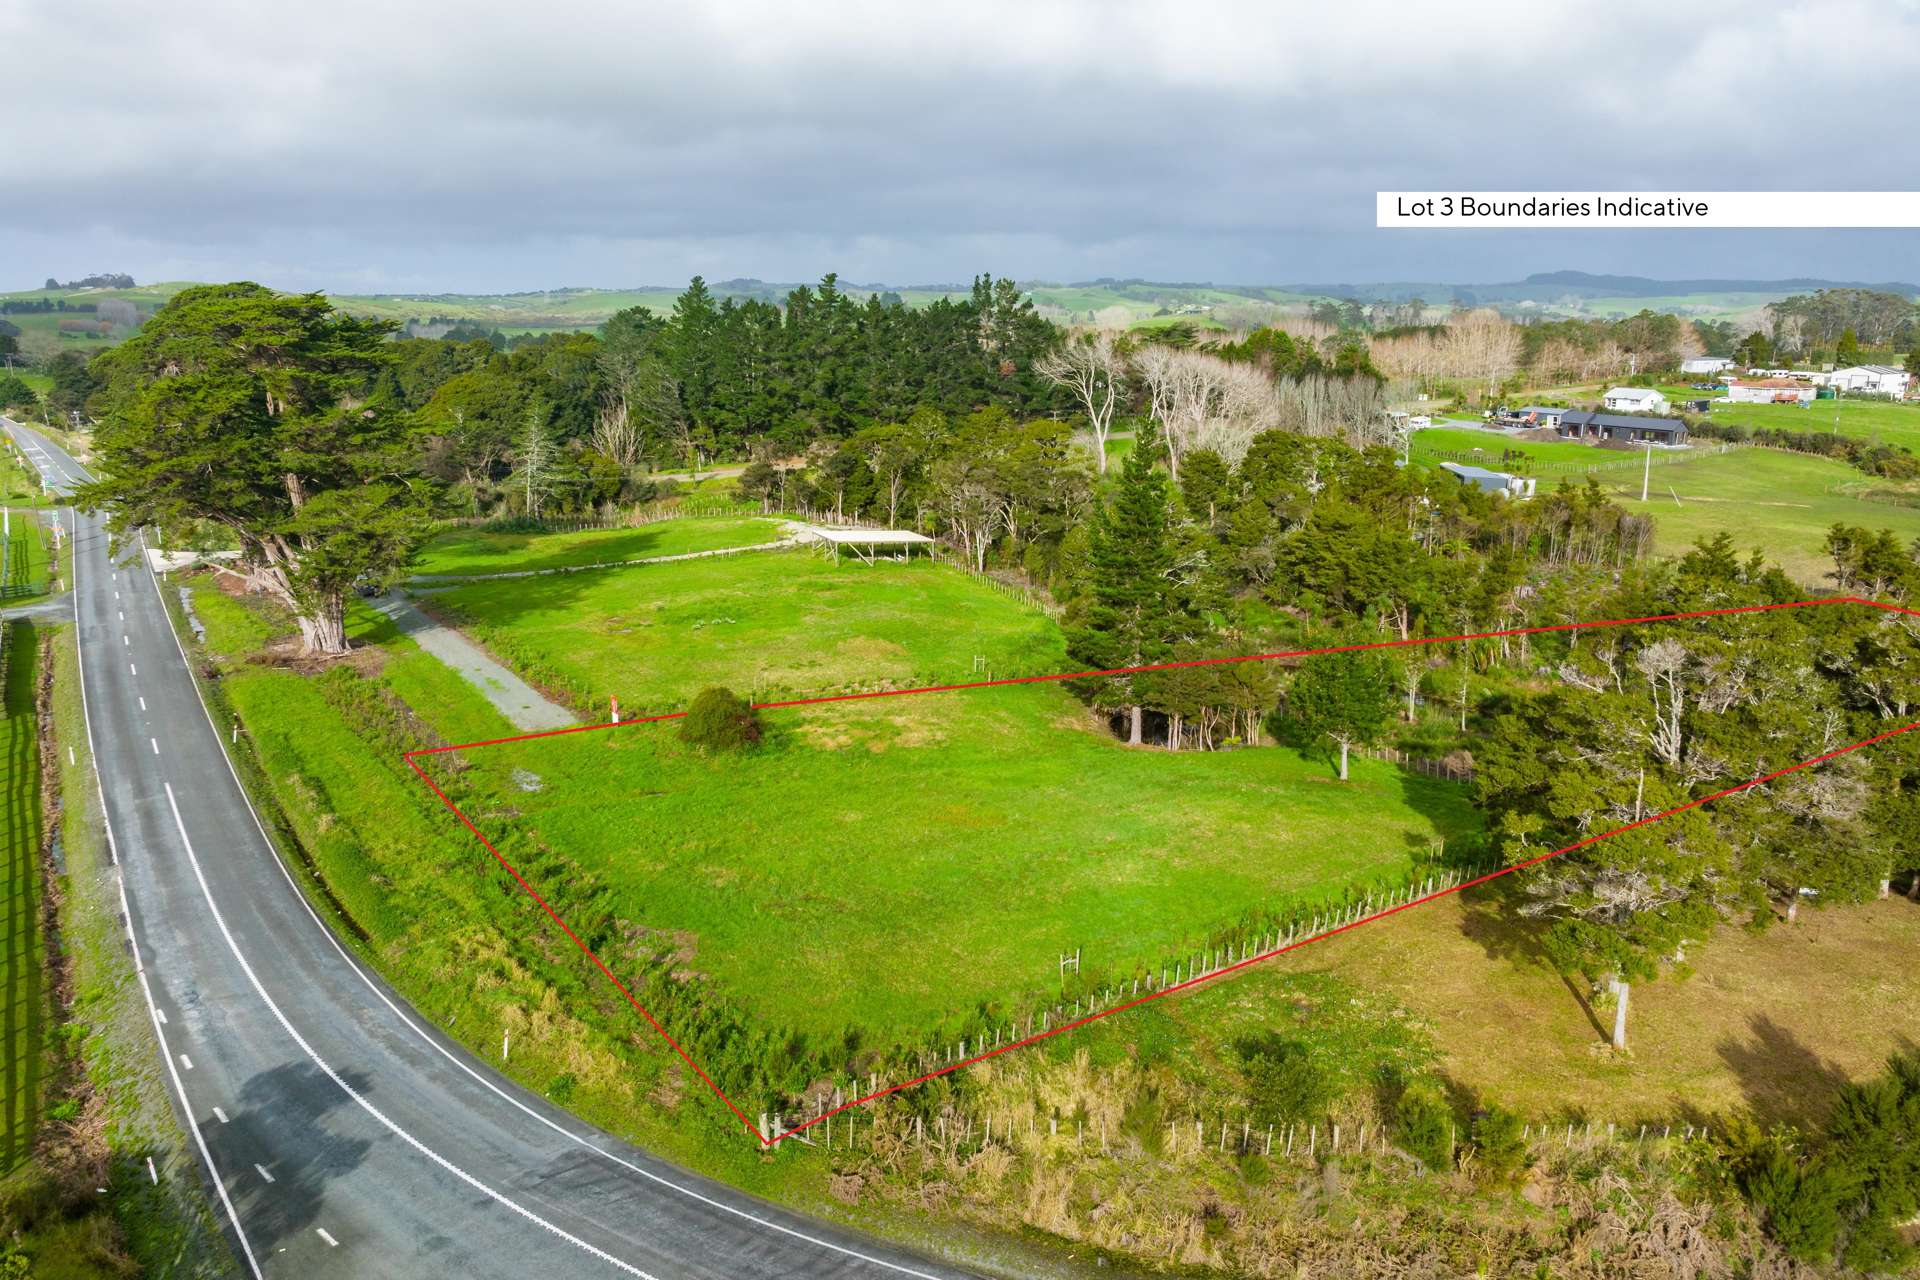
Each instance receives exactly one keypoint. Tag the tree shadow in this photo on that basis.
(282, 1126)
(23, 968)
(1784, 1080)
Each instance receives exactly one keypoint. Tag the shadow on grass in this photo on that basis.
(1785, 1080)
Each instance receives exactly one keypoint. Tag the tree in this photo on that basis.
(535, 467)
(1913, 359)
(1136, 607)
(16, 394)
(1092, 368)
(1346, 698)
(1847, 350)
(241, 407)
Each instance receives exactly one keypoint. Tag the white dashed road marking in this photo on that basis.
(186, 1063)
(156, 745)
(331, 1242)
(161, 1014)
(219, 1115)
(262, 1171)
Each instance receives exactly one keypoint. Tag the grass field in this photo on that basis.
(1549, 454)
(867, 854)
(1782, 503)
(888, 867)
(475, 551)
(783, 622)
(27, 1012)
(25, 562)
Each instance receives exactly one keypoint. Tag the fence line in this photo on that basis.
(1519, 461)
(958, 1132)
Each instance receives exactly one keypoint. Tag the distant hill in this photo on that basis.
(1108, 301)
(1580, 292)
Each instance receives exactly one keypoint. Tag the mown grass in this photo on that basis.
(1781, 503)
(476, 551)
(784, 623)
(1888, 421)
(28, 563)
(887, 866)
(27, 1011)
(846, 872)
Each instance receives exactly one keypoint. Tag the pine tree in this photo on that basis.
(1136, 609)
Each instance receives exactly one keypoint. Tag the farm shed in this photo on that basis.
(1509, 486)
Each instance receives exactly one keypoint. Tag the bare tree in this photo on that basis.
(616, 434)
(1091, 366)
(1204, 402)
(533, 475)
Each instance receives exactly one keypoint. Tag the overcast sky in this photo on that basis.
(382, 147)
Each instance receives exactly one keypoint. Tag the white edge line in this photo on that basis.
(391, 1126)
(126, 916)
(596, 1148)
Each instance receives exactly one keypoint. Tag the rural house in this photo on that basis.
(1634, 400)
(1622, 428)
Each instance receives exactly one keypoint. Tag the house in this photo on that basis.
(1770, 391)
(1871, 379)
(1634, 400)
(1486, 481)
(1705, 364)
(1623, 428)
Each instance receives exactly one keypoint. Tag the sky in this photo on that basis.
(413, 147)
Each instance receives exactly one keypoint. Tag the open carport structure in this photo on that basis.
(870, 545)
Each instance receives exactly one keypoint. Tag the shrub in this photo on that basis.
(1499, 1146)
(1425, 1125)
(1283, 1081)
(720, 720)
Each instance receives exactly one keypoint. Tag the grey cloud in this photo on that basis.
(360, 146)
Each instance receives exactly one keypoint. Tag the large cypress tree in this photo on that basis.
(244, 408)
(1137, 607)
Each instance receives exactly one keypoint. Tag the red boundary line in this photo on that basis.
(411, 757)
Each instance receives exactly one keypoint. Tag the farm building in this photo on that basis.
(1634, 400)
(1871, 379)
(1706, 364)
(1770, 391)
(1623, 428)
(1509, 486)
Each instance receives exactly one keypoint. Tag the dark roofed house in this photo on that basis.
(1623, 427)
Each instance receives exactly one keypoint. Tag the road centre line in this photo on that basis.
(478, 1077)
(326, 1068)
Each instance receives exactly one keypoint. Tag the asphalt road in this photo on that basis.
(343, 1135)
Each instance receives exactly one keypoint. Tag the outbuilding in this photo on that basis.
(1507, 486)
(1706, 364)
(1770, 391)
(1871, 379)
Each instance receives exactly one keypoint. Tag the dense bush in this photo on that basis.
(1425, 1125)
(1283, 1081)
(720, 720)
(1499, 1146)
(1839, 1192)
